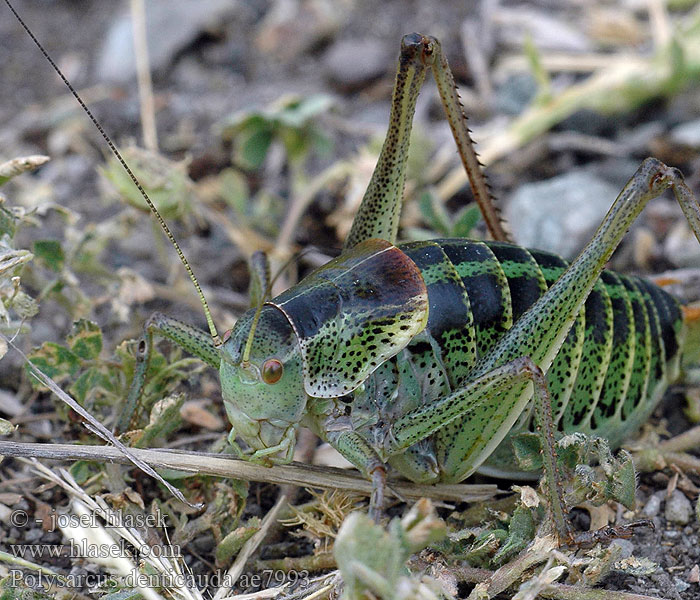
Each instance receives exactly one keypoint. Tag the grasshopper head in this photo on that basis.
(264, 395)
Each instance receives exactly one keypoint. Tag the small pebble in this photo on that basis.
(678, 508)
(91, 567)
(672, 534)
(515, 93)
(33, 535)
(351, 64)
(561, 213)
(678, 246)
(687, 134)
(626, 547)
(204, 543)
(694, 575)
(680, 585)
(172, 25)
(546, 30)
(78, 572)
(653, 505)
(53, 537)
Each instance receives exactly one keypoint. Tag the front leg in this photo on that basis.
(279, 454)
(192, 340)
(360, 453)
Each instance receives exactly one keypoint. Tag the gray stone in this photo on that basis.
(678, 508)
(626, 547)
(681, 246)
(353, 63)
(680, 585)
(170, 26)
(687, 134)
(545, 29)
(653, 505)
(560, 214)
(515, 93)
(33, 536)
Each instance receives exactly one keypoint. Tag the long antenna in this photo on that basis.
(113, 148)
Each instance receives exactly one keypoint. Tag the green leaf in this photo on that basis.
(25, 306)
(166, 182)
(6, 428)
(165, 418)
(434, 213)
(484, 546)
(636, 566)
(322, 144)
(466, 221)
(233, 542)
(123, 594)
(521, 532)
(19, 165)
(234, 190)
(623, 481)
(83, 470)
(236, 123)
(86, 386)
(50, 253)
(55, 361)
(252, 147)
(679, 66)
(11, 589)
(290, 120)
(8, 222)
(11, 259)
(372, 559)
(297, 113)
(296, 143)
(85, 340)
(527, 450)
(540, 74)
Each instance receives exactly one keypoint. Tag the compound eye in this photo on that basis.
(272, 371)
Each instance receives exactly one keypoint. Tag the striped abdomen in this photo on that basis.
(615, 363)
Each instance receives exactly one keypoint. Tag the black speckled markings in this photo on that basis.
(477, 290)
(378, 215)
(451, 319)
(353, 314)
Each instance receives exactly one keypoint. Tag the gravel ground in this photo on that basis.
(211, 59)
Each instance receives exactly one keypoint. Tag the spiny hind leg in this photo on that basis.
(378, 215)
